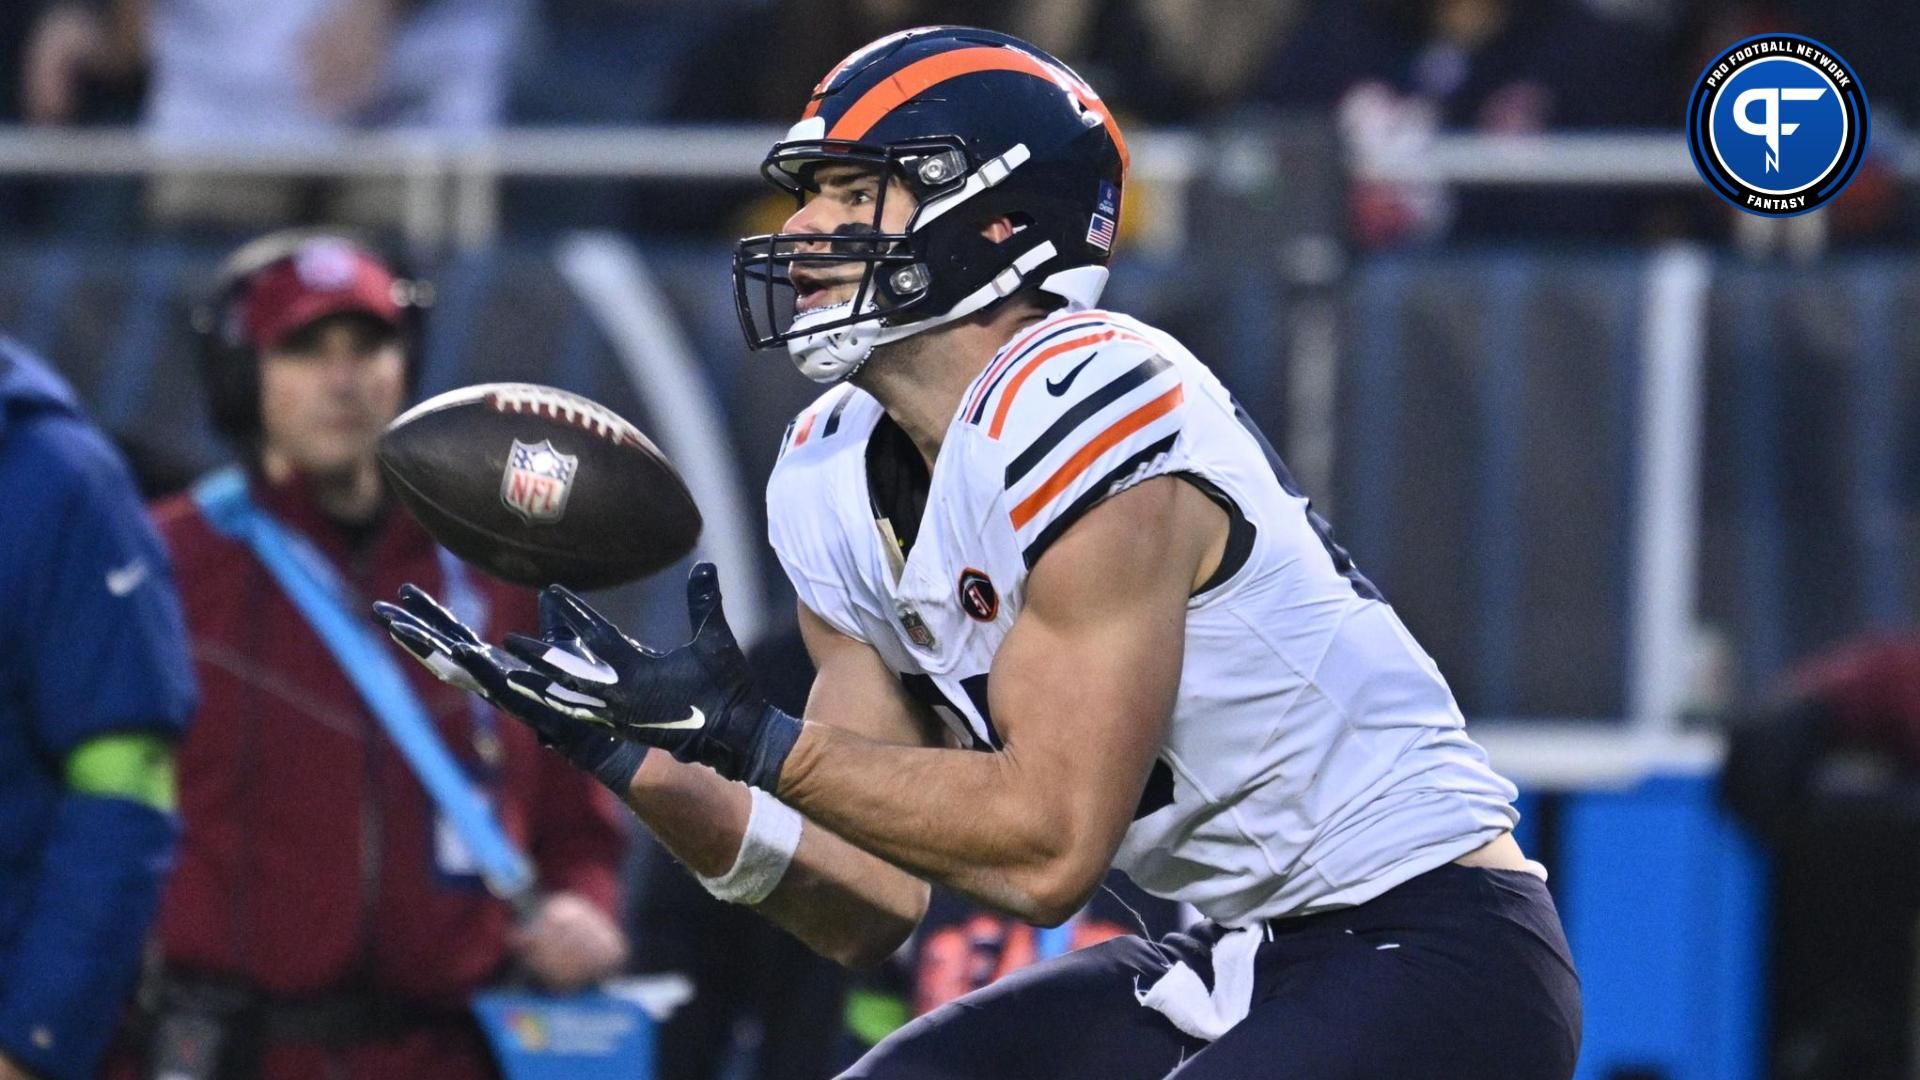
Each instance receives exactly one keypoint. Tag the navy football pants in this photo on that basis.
(1459, 974)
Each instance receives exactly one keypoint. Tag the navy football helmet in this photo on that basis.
(979, 126)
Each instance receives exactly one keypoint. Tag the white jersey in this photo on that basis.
(1315, 757)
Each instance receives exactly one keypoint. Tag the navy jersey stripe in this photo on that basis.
(1088, 499)
(1342, 562)
(1081, 412)
(927, 692)
(986, 395)
(1159, 790)
(833, 418)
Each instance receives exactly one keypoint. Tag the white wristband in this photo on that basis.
(773, 834)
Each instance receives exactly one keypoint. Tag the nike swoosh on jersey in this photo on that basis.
(1060, 387)
(127, 578)
(1067, 423)
(695, 719)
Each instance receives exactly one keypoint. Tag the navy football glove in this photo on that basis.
(456, 655)
(697, 702)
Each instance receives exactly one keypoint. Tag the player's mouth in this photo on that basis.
(813, 289)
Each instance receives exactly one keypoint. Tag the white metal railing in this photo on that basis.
(719, 152)
(1637, 159)
(450, 185)
(1567, 159)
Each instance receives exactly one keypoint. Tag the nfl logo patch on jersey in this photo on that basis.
(915, 626)
(537, 480)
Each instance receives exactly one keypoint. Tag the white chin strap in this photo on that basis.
(829, 356)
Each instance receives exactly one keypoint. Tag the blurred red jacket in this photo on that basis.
(311, 863)
(1871, 689)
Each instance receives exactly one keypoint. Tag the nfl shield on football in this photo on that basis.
(539, 486)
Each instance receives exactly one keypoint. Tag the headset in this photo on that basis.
(230, 362)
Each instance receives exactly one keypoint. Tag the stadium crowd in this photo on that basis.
(1381, 71)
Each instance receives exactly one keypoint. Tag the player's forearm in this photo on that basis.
(973, 822)
(842, 902)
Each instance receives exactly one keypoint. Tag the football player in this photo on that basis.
(1069, 610)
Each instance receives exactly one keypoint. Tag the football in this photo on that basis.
(538, 486)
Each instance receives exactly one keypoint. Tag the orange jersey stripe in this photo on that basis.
(1041, 357)
(915, 78)
(1088, 454)
(806, 427)
(1007, 355)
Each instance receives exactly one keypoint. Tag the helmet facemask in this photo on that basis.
(892, 299)
(830, 342)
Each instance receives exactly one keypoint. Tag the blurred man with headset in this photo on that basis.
(327, 919)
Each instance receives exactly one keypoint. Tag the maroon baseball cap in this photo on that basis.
(324, 277)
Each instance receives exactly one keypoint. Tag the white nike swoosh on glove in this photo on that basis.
(695, 719)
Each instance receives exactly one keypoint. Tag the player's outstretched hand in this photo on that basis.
(456, 655)
(697, 701)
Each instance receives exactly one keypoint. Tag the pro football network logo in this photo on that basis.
(1777, 124)
(537, 481)
(914, 625)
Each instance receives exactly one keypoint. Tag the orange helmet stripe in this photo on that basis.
(871, 47)
(918, 76)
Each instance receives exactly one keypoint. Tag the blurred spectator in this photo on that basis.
(1164, 61)
(961, 947)
(73, 51)
(294, 71)
(1487, 65)
(749, 976)
(756, 65)
(1828, 774)
(612, 61)
(69, 62)
(616, 62)
(94, 689)
(1394, 72)
(757, 61)
(324, 920)
(297, 69)
(1877, 37)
